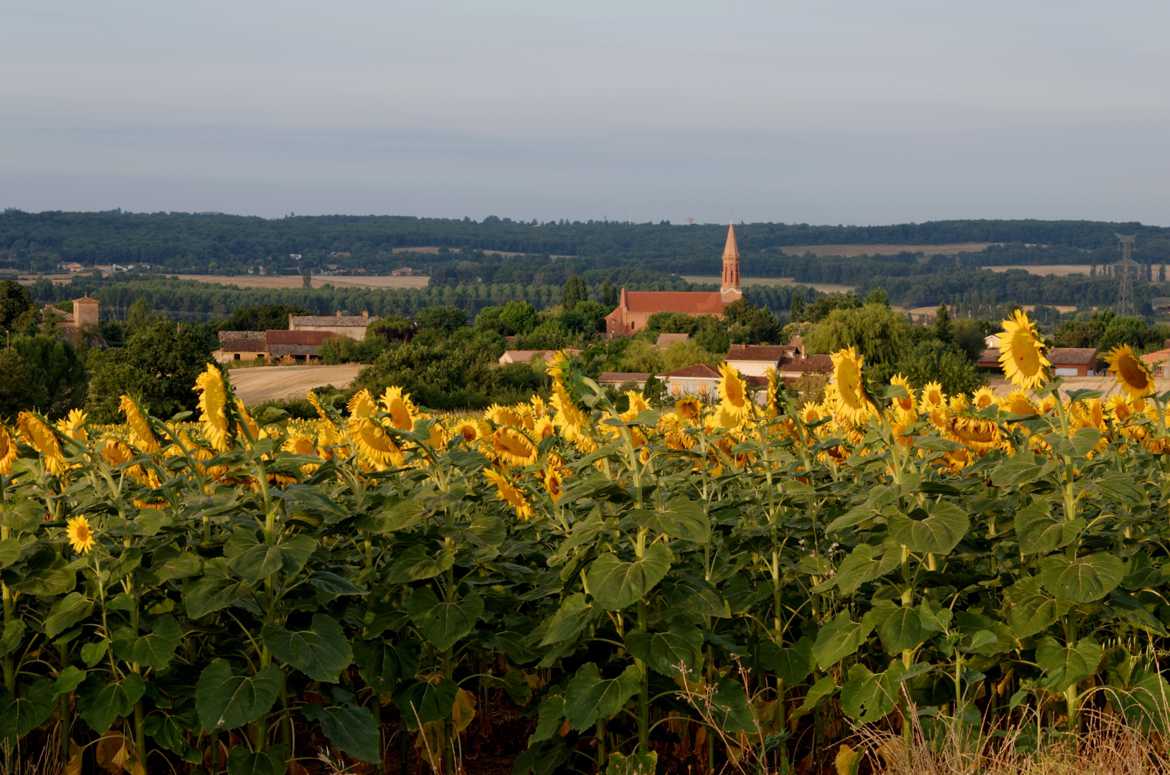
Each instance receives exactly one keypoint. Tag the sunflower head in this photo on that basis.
(1021, 353)
(553, 483)
(689, 408)
(513, 447)
(983, 398)
(73, 426)
(733, 394)
(41, 437)
(1132, 374)
(362, 405)
(7, 451)
(509, 493)
(906, 402)
(80, 534)
(933, 396)
(852, 401)
(401, 409)
(141, 434)
(637, 405)
(213, 408)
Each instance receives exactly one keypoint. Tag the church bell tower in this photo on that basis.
(729, 288)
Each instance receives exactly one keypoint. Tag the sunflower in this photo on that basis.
(40, 436)
(513, 447)
(508, 416)
(373, 444)
(853, 403)
(933, 396)
(544, 428)
(213, 408)
(7, 451)
(553, 483)
(509, 493)
(316, 403)
(1132, 374)
(983, 398)
(1018, 403)
(733, 393)
(362, 405)
(468, 430)
(975, 433)
(571, 421)
(637, 405)
(907, 402)
(773, 392)
(1021, 353)
(810, 414)
(73, 426)
(141, 435)
(80, 535)
(401, 409)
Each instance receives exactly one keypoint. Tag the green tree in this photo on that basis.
(574, 292)
(14, 302)
(881, 335)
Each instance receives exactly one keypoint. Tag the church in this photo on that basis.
(635, 307)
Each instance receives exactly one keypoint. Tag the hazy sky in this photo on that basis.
(827, 111)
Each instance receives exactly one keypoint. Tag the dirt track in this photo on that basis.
(266, 383)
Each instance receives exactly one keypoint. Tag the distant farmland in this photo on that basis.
(748, 281)
(295, 281)
(885, 250)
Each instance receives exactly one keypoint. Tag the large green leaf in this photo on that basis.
(67, 612)
(838, 639)
(1067, 665)
(589, 697)
(1031, 610)
(215, 590)
(1081, 579)
(157, 648)
(865, 563)
(1039, 532)
(683, 519)
(11, 636)
(570, 619)
(225, 700)
(904, 627)
(867, 697)
(24, 713)
(426, 701)
(444, 623)
(383, 666)
(667, 652)
(101, 704)
(939, 533)
(350, 727)
(824, 687)
(243, 761)
(615, 584)
(320, 652)
(416, 563)
(731, 708)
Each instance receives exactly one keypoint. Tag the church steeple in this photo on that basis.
(729, 287)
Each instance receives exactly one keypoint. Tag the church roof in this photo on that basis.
(730, 248)
(686, 302)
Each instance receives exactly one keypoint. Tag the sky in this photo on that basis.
(827, 111)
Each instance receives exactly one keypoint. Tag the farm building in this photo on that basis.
(635, 308)
(352, 326)
(754, 360)
(618, 379)
(273, 346)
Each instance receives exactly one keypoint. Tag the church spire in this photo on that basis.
(729, 287)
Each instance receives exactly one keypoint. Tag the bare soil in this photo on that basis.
(295, 281)
(271, 383)
(890, 249)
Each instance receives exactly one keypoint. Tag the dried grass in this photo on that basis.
(1105, 746)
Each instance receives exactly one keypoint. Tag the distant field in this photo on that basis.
(294, 281)
(1058, 270)
(822, 287)
(431, 250)
(271, 383)
(885, 250)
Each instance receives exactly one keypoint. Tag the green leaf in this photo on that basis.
(569, 620)
(824, 687)
(791, 665)
(1031, 610)
(157, 648)
(1039, 532)
(102, 705)
(549, 715)
(68, 680)
(12, 636)
(443, 623)
(402, 515)
(589, 697)
(242, 761)
(424, 702)
(665, 652)
(350, 727)
(382, 666)
(615, 584)
(1018, 470)
(213, 591)
(838, 639)
(1081, 579)
(92, 653)
(320, 652)
(416, 563)
(330, 585)
(181, 566)
(731, 708)
(683, 519)
(1067, 665)
(939, 533)
(12, 550)
(637, 763)
(902, 627)
(68, 611)
(864, 564)
(867, 697)
(21, 715)
(226, 701)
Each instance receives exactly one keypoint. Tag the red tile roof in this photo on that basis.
(816, 364)
(686, 302)
(758, 352)
(1156, 357)
(700, 370)
(242, 341)
(304, 338)
(1073, 356)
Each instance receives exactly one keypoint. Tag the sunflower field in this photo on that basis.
(566, 586)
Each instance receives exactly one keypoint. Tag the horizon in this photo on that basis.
(745, 112)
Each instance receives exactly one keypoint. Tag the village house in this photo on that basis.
(352, 326)
(528, 356)
(1066, 361)
(635, 308)
(272, 346)
(1158, 362)
(635, 380)
(86, 317)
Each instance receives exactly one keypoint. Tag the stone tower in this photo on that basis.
(729, 287)
(86, 312)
